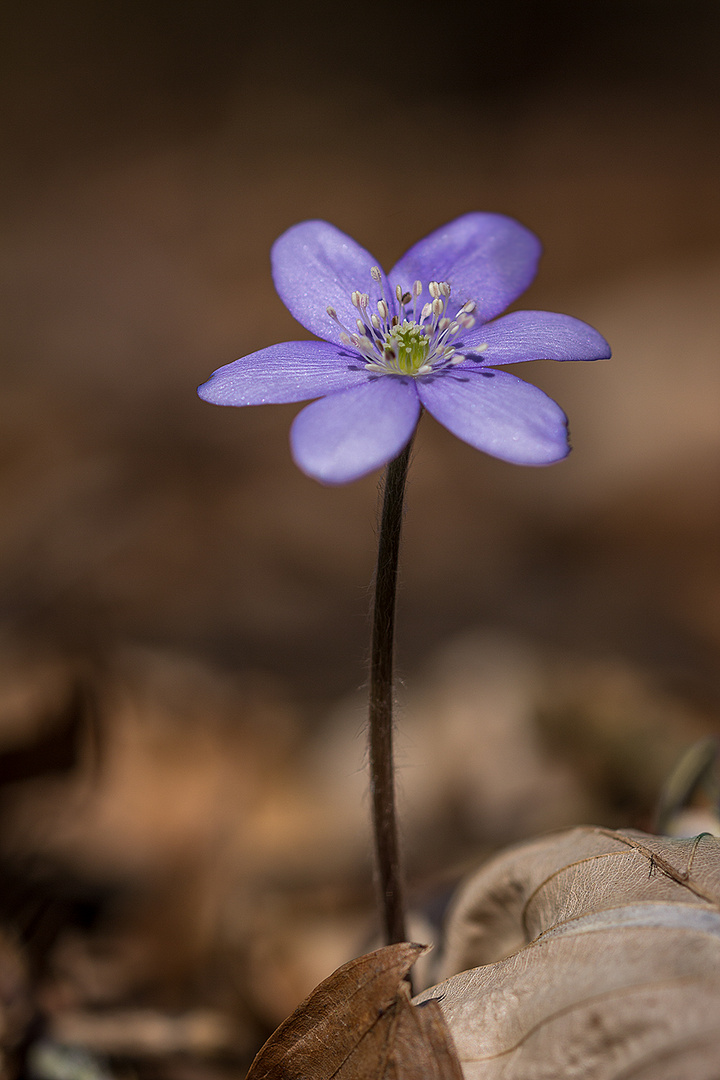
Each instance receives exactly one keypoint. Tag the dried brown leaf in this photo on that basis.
(360, 1023)
(535, 886)
(617, 968)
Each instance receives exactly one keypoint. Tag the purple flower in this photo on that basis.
(426, 335)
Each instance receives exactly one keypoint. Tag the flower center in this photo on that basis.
(410, 346)
(412, 342)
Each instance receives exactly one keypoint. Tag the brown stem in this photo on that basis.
(382, 776)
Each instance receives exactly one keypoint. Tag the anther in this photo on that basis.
(407, 342)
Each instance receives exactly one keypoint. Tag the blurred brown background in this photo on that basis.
(183, 614)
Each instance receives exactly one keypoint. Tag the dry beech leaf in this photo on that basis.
(615, 965)
(360, 1023)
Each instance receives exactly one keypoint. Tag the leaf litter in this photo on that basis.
(593, 953)
(359, 1023)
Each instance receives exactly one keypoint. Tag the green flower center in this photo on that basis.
(410, 345)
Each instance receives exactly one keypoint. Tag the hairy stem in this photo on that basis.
(382, 775)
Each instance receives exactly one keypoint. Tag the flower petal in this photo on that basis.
(315, 265)
(292, 371)
(535, 335)
(347, 435)
(488, 258)
(496, 412)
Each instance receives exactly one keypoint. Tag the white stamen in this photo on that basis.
(395, 340)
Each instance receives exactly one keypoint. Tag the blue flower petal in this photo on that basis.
(535, 335)
(496, 412)
(315, 265)
(347, 435)
(292, 371)
(488, 258)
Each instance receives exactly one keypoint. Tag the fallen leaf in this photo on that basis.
(534, 886)
(360, 1023)
(615, 965)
